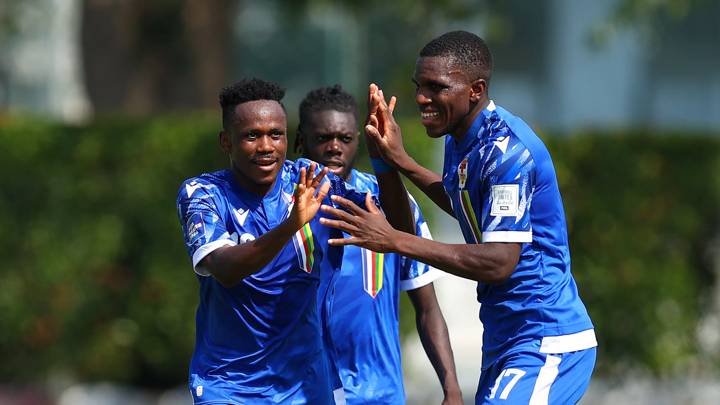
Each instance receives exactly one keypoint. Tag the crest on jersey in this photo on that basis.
(373, 266)
(305, 247)
(462, 172)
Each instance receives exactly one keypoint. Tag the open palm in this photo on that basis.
(309, 195)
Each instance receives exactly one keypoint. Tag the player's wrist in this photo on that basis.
(291, 225)
(380, 166)
(452, 393)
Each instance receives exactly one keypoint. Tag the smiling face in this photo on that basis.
(256, 142)
(447, 98)
(331, 138)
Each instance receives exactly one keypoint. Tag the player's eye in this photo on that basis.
(346, 138)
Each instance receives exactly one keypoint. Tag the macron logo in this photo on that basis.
(190, 188)
(502, 143)
(241, 215)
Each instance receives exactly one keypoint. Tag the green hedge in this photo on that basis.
(96, 283)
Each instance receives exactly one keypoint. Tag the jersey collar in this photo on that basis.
(473, 133)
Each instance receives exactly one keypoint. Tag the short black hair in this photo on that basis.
(467, 50)
(322, 99)
(247, 90)
(327, 98)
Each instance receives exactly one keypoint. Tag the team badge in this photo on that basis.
(462, 172)
(305, 247)
(373, 266)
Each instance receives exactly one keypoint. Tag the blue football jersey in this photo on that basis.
(502, 185)
(360, 311)
(259, 341)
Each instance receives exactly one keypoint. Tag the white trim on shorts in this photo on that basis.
(545, 379)
(569, 343)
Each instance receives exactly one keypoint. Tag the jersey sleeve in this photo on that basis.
(203, 226)
(415, 274)
(506, 193)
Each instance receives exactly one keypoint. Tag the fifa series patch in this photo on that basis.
(195, 228)
(505, 198)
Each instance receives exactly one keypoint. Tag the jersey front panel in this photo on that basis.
(502, 185)
(361, 312)
(259, 340)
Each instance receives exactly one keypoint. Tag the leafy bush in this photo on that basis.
(96, 281)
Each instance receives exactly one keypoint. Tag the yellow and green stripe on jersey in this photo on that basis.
(305, 246)
(469, 215)
(373, 266)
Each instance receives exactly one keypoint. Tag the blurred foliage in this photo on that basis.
(96, 282)
(642, 212)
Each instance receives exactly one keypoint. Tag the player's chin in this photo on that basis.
(265, 174)
(434, 131)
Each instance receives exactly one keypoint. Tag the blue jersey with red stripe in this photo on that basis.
(502, 185)
(259, 341)
(361, 313)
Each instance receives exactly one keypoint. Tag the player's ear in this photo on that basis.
(478, 88)
(225, 141)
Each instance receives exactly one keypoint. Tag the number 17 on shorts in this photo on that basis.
(537, 378)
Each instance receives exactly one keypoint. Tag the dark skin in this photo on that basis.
(450, 101)
(330, 137)
(256, 141)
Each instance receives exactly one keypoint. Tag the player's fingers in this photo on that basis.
(372, 120)
(322, 193)
(372, 132)
(338, 213)
(318, 179)
(370, 204)
(338, 224)
(349, 205)
(372, 102)
(299, 191)
(343, 241)
(391, 106)
(303, 174)
(310, 174)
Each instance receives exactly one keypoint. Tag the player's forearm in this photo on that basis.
(490, 263)
(426, 180)
(435, 339)
(230, 265)
(395, 201)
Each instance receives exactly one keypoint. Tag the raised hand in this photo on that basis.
(383, 134)
(309, 195)
(367, 228)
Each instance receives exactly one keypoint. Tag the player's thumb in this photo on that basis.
(370, 204)
(372, 132)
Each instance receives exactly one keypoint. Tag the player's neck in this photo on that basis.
(248, 185)
(459, 133)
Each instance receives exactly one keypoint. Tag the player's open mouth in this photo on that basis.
(265, 163)
(333, 164)
(429, 117)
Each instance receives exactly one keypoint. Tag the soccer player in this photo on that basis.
(499, 182)
(362, 308)
(257, 249)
